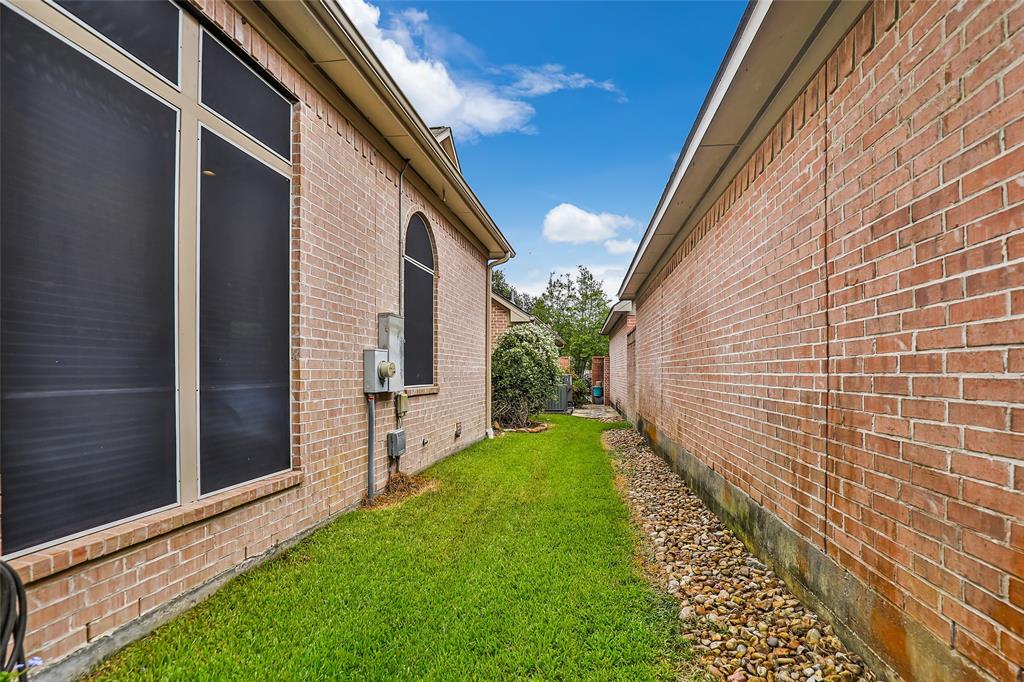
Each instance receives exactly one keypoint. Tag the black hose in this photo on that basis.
(13, 621)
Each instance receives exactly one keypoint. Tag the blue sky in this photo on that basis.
(568, 116)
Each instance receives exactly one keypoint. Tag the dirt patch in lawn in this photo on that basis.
(534, 427)
(400, 488)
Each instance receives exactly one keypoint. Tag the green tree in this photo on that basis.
(524, 372)
(501, 286)
(576, 307)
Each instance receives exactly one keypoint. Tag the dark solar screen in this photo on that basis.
(235, 92)
(417, 242)
(87, 243)
(419, 326)
(243, 317)
(146, 29)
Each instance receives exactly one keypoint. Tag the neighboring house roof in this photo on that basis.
(443, 134)
(518, 316)
(777, 49)
(331, 41)
(618, 311)
(516, 313)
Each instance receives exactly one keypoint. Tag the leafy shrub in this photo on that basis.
(580, 391)
(524, 372)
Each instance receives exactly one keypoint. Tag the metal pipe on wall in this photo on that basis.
(371, 437)
(401, 239)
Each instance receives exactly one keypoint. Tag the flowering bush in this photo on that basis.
(524, 373)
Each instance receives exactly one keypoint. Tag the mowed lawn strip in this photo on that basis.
(519, 565)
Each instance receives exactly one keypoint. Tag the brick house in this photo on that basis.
(213, 202)
(505, 314)
(617, 327)
(829, 340)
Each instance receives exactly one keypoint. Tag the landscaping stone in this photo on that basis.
(742, 620)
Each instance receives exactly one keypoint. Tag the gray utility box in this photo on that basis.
(391, 337)
(378, 371)
(396, 443)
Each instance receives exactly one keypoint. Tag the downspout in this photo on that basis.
(401, 231)
(401, 242)
(401, 294)
(487, 341)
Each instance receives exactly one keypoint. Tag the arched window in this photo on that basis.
(419, 303)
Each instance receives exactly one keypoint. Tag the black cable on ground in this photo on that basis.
(13, 621)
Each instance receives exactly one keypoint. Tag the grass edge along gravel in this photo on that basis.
(521, 564)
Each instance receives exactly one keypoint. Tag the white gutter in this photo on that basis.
(755, 15)
(332, 43)
(617, 312)
(778, 48)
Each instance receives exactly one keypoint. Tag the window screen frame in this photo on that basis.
(75, 18)
(433, 292)
(203, 127)
(177, 237)
(191, 114)
(291, 125)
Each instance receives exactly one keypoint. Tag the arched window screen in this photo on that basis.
(419, 304)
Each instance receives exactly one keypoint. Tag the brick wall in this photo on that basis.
(599, 370)
(842, 335)
(501, 320)
(346, 270)
(618, 381)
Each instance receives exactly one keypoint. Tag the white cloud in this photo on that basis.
(413, 53)
(617, 247)
(574, 225)
(470, 109)
(532, 82)
(611, 277)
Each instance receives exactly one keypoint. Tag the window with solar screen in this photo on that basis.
(419, 303)
(145, 267)
(243, 317)
(87, 317)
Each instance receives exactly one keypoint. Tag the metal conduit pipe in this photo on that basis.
(371, 437)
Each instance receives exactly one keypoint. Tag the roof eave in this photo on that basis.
(777, 49)
(617, 312)
(515, 310)
(328, 36)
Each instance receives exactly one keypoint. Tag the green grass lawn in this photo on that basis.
(519, 565)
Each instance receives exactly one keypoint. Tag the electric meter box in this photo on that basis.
(378, 371)
(391, 337)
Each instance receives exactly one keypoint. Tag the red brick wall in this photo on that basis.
(347, 265)
(565, 363)
(501, 320)
(598, 365)
(900, 173)
(618, 381)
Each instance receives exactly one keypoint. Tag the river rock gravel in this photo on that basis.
(743, 622)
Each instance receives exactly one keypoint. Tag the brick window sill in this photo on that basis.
(423, 390)
(53, 560)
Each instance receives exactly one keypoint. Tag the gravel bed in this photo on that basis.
(744, 623)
